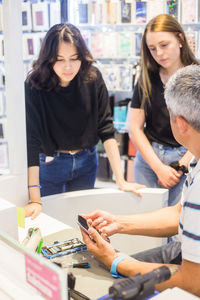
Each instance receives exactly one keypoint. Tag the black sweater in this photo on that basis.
(74, 117)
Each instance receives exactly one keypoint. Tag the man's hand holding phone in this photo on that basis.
(82, 222)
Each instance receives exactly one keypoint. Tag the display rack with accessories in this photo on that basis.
(114, 38)
(112, 30)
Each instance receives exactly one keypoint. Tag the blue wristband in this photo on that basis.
(113, 269)
(34, 185)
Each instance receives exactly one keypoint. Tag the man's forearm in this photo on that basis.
(158, 223)
(181, 279)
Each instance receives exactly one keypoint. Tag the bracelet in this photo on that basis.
(36, 202)
(34, 185)
(113, 269)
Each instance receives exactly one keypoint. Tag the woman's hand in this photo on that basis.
(103, 221)
(99, 247)
(32, 210)
(131, 187)
(168, 176)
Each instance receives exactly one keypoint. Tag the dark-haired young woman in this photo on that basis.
(68, 111)
(164, 50)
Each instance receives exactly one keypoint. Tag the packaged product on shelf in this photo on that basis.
(125, 44)
(189, 11)
(2, 104)
(110, 44)
(64, 11)
(125, 77)
(29, 45)
(192, 38)
(172, 8)
(26, 16)
(1, 17)
(111, 76)
(131, 149)
(112, 11)
(119, 118)
(3, 156)
(40, 16)
(83, 12)
(96, 12)
(127, 11)
(1, 47)
(97, 44)
(141, 12)
(155, 7)
(138, 39)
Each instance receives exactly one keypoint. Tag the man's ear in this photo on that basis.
(182, 124)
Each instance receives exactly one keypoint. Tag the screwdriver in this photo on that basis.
(84, 265)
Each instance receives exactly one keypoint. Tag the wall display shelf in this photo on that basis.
(112, 30)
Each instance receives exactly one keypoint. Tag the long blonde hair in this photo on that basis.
(165, 23)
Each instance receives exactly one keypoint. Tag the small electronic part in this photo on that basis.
(63, 248)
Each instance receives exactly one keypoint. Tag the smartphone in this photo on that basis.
(82, 222)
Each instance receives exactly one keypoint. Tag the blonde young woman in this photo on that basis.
(164, 50)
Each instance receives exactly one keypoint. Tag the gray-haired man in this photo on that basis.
(182, 96)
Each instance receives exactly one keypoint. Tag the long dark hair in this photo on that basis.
(42, 75)
(165, 23)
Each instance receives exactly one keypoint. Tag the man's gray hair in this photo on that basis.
(182, 95)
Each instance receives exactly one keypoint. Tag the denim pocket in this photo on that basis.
(91, 150)
(44, 162)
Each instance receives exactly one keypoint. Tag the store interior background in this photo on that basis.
(112, 30)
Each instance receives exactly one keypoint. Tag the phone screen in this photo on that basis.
(82, 222)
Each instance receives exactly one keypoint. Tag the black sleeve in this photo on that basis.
(105, 121)
(137, 97)
(32, 126)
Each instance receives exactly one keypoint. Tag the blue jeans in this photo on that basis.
(166, 254)
(143, 174)
(67, 172)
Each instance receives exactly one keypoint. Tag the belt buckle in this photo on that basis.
(72, 152)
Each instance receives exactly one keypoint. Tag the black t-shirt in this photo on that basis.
(157, 119)
(74, 117)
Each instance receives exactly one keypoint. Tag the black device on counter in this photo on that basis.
(139, 286)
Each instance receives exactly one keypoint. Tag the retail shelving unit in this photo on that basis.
(13, 184)
(118, 66)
